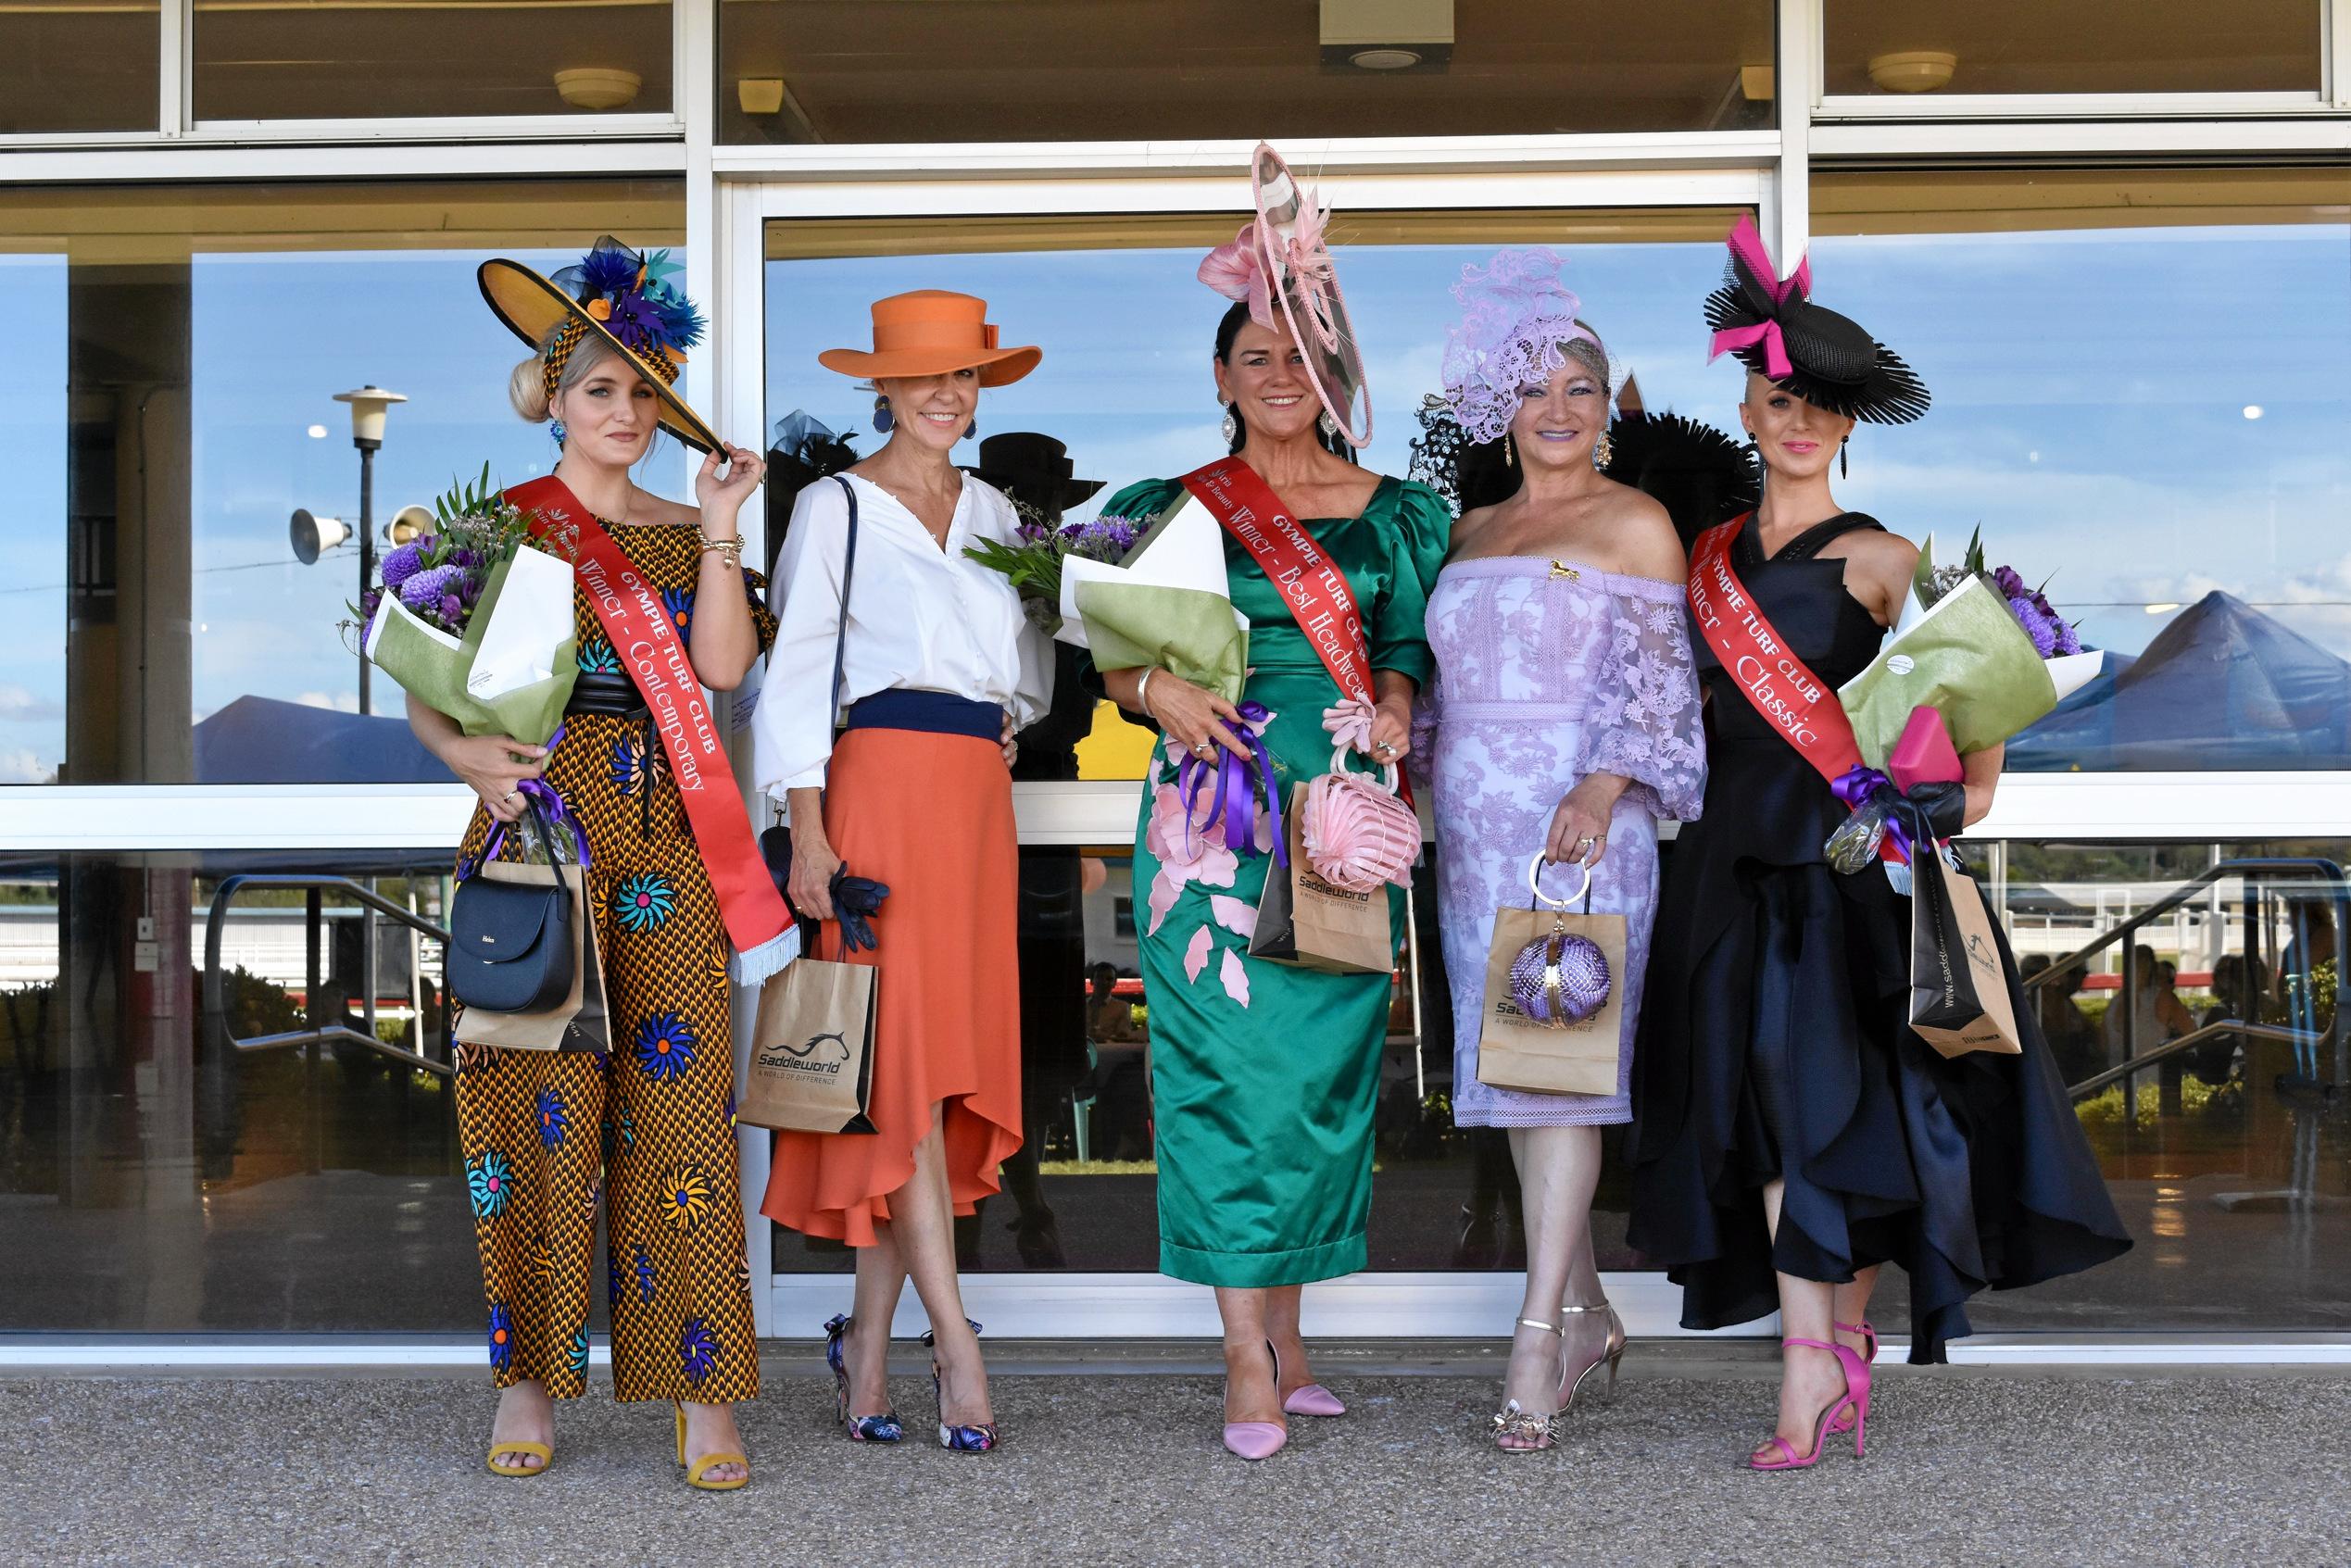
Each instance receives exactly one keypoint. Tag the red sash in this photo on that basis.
(1310, 582)
(1799, 704)
(630, 610)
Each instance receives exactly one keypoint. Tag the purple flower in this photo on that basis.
(2036, 625)
(461, 556)
(427, 588)
(451, 609)
(368, 603)
(402, 564)
(2011, 585)
(2068, 640)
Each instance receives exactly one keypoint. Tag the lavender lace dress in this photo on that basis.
(1547, 672)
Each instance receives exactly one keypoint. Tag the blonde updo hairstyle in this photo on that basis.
(527, 388)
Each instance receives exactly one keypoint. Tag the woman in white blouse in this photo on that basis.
(938, 669)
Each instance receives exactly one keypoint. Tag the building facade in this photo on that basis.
(2116, 248)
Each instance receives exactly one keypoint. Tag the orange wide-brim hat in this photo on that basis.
(932, 332)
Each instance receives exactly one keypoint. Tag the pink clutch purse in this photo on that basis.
(1923, 754)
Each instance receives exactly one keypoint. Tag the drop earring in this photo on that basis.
(971, 430)
(1231, 427)
(1510, 453)
(1604, 451)
(1328, 426)
(556, 429)
(881, 420)
(1843, 470)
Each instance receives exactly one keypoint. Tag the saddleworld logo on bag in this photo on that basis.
(1508, 1012)
(824, 1055)
(1979, 954)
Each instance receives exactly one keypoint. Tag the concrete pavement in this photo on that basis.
(1964, 1466)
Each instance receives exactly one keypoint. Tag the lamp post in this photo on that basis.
(369, 405)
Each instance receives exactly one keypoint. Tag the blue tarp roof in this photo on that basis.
(2223, 687)
(261, 740)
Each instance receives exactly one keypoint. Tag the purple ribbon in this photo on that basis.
(1234, 806)
(549, 801)
(1862, 785)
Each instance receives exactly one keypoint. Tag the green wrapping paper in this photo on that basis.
(439, 670)
(1188, 631)
(1966, 658)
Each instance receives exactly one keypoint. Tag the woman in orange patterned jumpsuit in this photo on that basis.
(649, 1128)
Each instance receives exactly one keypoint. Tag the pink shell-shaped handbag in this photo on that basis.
(1357, 834)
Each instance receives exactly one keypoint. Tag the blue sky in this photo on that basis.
(2090, 396)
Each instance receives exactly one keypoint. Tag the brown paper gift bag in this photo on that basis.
(811, 1068)
(1514, 1051)
(1305, 921)
(579, 1022)
(1959, 999)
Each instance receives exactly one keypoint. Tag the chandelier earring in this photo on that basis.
(1329, 425)
(1604, 451)
(1231, 426)
(555, 428)
(881, 420)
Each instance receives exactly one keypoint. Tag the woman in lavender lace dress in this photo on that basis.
(1564, 719)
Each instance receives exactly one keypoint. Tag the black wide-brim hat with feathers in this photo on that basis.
(1700, 476)
(1771, 325)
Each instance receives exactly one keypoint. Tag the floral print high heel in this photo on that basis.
(976, 1439)
(883, 1428)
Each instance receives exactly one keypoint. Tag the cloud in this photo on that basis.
(20, 765)
(339, 702)
(18, 704)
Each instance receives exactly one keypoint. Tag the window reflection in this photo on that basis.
(860, 70)
(299, 1189)
(182, 351)
(2138, 396)
(1895, 48)
(65, 66)
(300, 59)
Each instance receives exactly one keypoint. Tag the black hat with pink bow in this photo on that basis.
(1771, 325)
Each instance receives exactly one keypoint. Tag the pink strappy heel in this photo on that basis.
(1869, 1353)
(1855, 1399)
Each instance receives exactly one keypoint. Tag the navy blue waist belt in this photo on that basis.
(935, 713)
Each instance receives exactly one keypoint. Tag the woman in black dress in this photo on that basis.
(1793, 1134)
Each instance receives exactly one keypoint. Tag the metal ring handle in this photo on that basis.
(1534, 869)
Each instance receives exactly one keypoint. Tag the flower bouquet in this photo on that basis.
(1033, 562)
(474, 622)
(1135, 592)
(1976, 645)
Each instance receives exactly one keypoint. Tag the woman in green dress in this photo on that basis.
(1265, 1074)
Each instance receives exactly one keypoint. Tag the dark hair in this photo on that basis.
(1227, 330)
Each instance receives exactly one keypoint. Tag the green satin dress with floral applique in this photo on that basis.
(1264, 1076)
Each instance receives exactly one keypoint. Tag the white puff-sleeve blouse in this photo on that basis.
(919, 619)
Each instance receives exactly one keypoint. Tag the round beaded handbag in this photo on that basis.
(1561, 978)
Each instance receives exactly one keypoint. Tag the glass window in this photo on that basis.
(1035, 70)
(1891, 48)
(66, 66)
(2222, 1157)
(1128, 334)
(2138, 395)
(300, 1189)
(186, 350)
(580, 57)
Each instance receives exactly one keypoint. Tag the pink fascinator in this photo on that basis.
(1280, 265)
(1516, 317)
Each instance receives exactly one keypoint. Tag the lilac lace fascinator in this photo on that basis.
(1517, 319)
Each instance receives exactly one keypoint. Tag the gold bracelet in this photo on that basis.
(733, 548)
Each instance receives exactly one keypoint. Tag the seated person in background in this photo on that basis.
(2073, 1039)
(2238, 984)
(2143, 1006)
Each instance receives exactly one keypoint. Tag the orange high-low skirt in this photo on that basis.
(931, 817)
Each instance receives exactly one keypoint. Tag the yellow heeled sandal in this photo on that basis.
(708, 1462)
(544, 1455)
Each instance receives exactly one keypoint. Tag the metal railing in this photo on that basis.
(216, 1010)
(2297, 884)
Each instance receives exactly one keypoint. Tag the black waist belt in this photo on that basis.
(936, 713)
(612, 695)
